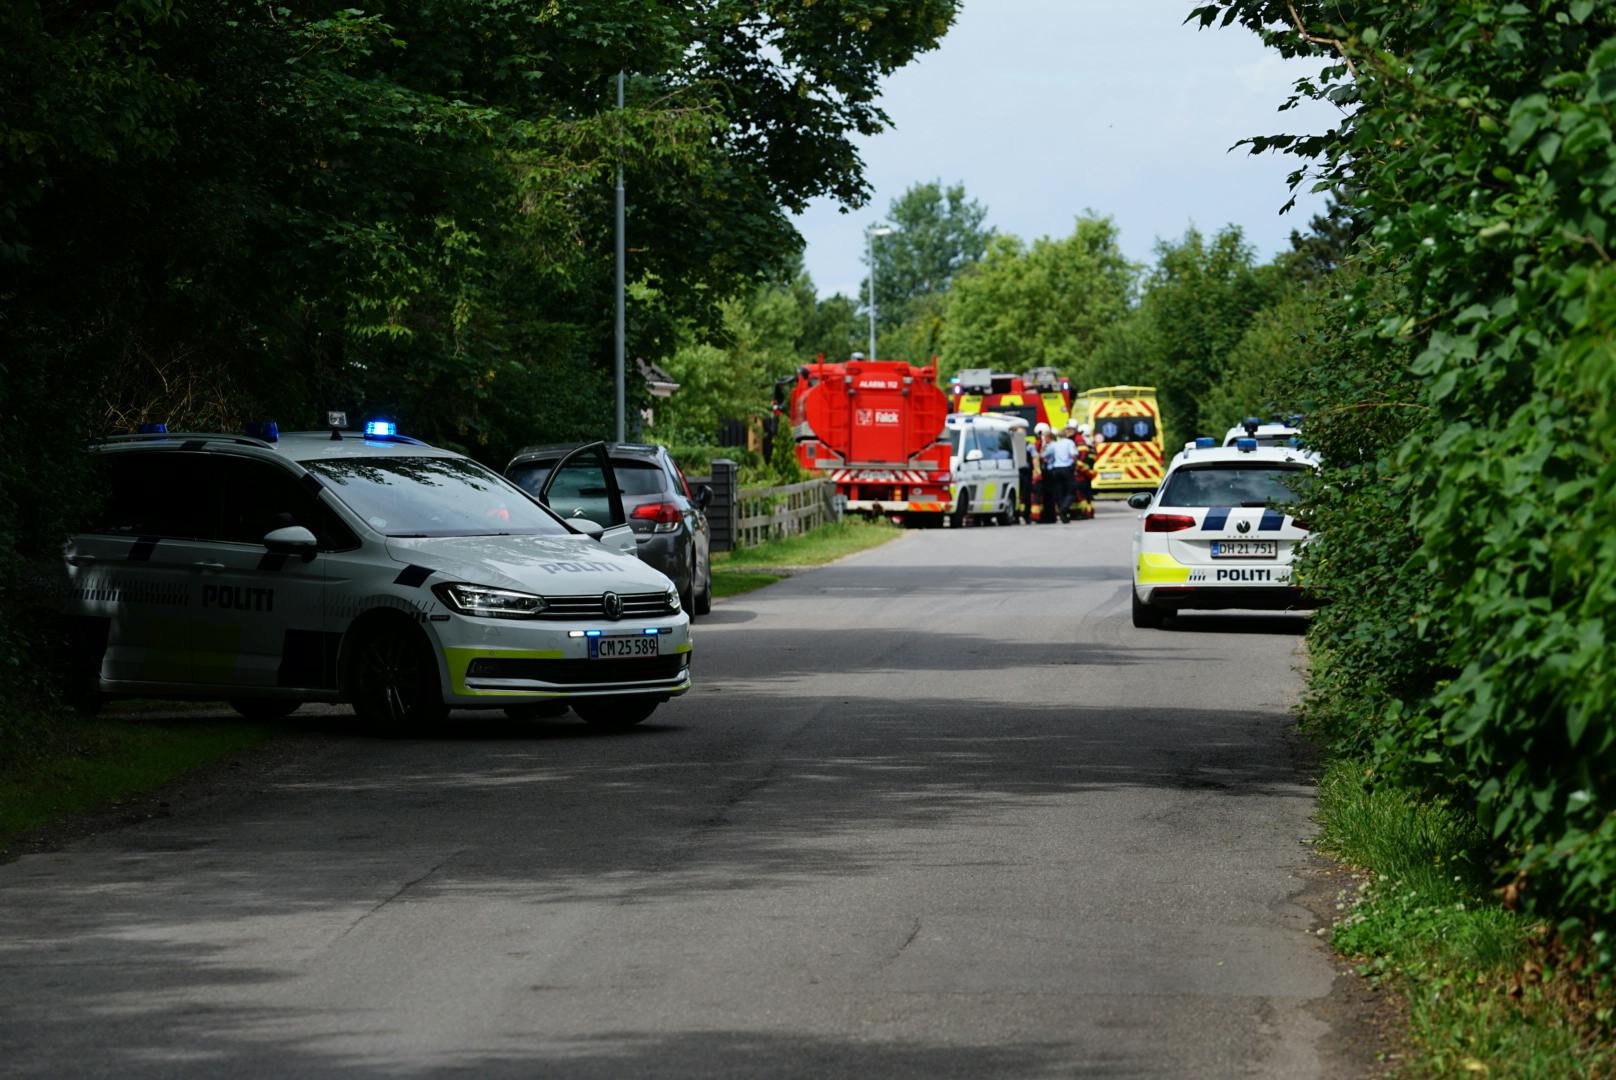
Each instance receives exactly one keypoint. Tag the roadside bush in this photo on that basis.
(1467, 524)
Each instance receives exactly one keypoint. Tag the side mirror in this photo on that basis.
(292, 540)
(1140, 500)
(584, 527)
(703, 496)
(621, 539)
(973, 455)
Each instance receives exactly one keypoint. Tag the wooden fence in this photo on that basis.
(745, 517)
(775, 512)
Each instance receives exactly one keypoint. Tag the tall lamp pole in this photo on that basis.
(869, 240)
(618, 345)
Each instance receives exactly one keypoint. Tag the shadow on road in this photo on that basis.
(1212, 622)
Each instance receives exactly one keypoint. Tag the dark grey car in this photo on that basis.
(667, 516)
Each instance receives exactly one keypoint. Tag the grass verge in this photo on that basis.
(90, 763)
(736, 572)
(1484, 998)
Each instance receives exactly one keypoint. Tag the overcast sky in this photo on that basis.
(1043, 108)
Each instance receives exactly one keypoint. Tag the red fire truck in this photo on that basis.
(1040, 396)
(875, 428)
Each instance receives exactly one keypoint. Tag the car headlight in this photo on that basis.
(672, 597)
(489, 602)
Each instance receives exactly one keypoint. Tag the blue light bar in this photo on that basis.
(380, 427)
(154, 429)
(591, 633)
(1245, 446)
(267, 430)
(1205, 442)
(653, 631)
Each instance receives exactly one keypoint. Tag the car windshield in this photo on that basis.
(635, 476)
(433, 496)
(1235, 485)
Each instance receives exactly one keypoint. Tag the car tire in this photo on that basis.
(687, 595)
(265, 708)
(615, 713)
(537, 710)
(1007, 516)
(704, 599)
(962, 510)
(1146, 617)
(394, 684)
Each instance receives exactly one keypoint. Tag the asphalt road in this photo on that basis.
(938, 810)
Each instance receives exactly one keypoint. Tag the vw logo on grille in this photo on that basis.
(612, 605)
(1243, 526)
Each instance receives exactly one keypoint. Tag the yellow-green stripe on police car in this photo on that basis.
(459, 659)
(1158, 569)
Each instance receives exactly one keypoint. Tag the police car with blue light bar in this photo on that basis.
(1211, 536)
(271, 569)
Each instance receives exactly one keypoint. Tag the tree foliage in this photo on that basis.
(937, 232)
(1466, 410)
(1047, 303)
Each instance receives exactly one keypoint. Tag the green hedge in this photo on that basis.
(1467, 523)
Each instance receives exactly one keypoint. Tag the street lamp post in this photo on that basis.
(869, 241)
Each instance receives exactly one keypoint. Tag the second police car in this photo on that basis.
(370, 568)
(1211, 536)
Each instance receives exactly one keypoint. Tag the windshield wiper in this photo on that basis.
(1258, 502)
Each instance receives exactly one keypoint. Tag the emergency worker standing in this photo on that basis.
(1040, 486)
(1060, 461)
(1083, 473)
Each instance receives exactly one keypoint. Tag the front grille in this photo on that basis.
(635, 606)
(577, 672)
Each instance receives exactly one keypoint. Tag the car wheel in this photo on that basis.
(395, 680)
(615, 712)
(962, 510)
(1146, 617)
(1007, 516)
(704, 599)
(264, 708)
(687, 595)
(537, 710)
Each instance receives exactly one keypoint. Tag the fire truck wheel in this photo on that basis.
(1146, 617)
(962, 510)
(1007, 516)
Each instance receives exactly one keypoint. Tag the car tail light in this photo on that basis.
(1168, 522)
(665, 515)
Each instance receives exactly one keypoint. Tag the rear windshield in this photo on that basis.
(1235, 485)
(432, 496)
(635, 476)
(1264, 440)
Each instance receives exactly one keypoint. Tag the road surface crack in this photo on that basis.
(400, 891)
(914, 932)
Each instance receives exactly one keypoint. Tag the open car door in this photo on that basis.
(582, 490)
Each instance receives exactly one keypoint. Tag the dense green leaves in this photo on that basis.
(1467, 527)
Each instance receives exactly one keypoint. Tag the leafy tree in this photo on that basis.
(1467, 410)
(1197, 303)
(1045, 304)
(938, 233)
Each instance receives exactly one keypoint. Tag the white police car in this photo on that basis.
(370, 568)
(1267, 433)
(1210, 536)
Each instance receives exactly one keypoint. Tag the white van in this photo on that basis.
(989, 456)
